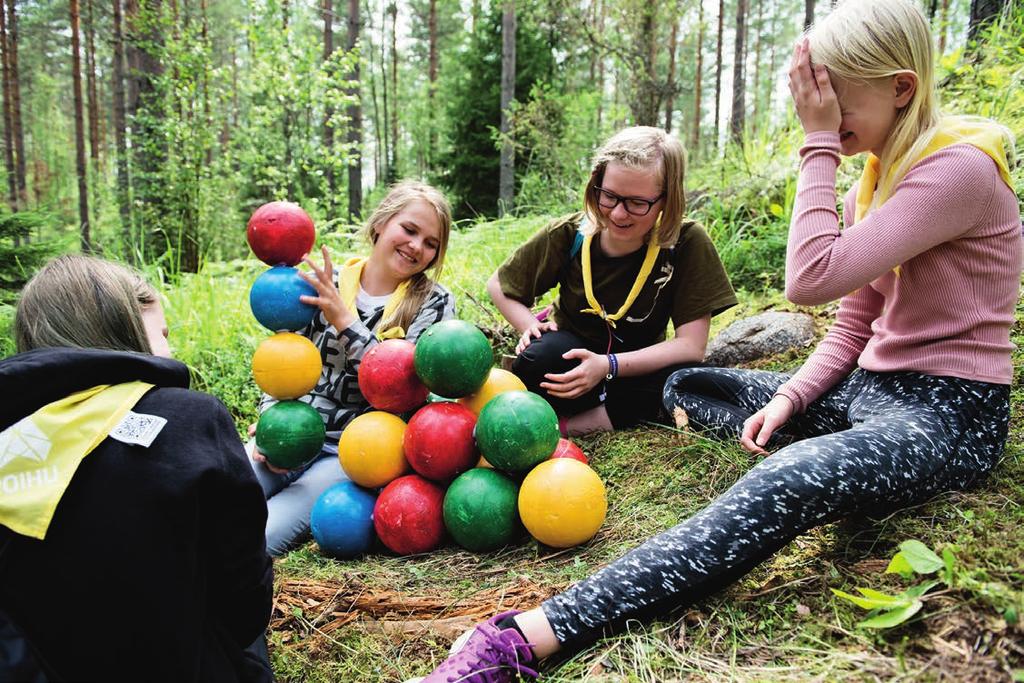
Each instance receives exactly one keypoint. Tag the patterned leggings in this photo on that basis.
(875, 442)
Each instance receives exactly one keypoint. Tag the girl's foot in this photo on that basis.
(494, 652)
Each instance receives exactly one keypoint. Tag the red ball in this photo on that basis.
(388, 378)
(409, 515)
(567, 449)
(439, 441)
(280, 233)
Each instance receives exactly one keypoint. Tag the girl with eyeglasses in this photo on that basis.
(625, 266)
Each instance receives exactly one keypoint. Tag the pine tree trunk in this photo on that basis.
(506, 168)
(384, 127)
(718, 71)
(12, 188)
(983, 13)
(16, 129)
(373, 97)
(670, 100)
(697, 82)
(432, 78)
(91, 92)
(328, 126)
(120, 140)
(355, 124)
(943, 28)
(393, 10)
(76, 85)
(756, 85)
(600, 64)
(739, 85)
(808, 13)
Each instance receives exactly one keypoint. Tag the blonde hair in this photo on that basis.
(867, 41)
(83, 302)
(399, 196)
(643, 147)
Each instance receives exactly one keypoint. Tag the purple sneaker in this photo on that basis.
(490, 655)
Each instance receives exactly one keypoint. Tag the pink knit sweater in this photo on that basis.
(953, 227)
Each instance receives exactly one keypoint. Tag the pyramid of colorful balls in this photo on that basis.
(478, 460)
(286, 365)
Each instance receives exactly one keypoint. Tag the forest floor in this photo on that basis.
(386, 618)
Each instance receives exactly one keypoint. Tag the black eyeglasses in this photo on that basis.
(635, 206)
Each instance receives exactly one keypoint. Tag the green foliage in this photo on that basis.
(474, 111)
(20, 258)
(915, 558)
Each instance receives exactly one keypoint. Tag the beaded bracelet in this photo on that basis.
(613, 366)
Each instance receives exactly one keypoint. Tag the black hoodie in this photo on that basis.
(154, 567)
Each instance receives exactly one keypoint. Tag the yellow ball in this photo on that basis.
(370, 449)
(562, 502)
(498, 382)
(286, 365)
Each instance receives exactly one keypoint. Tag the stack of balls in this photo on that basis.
(286, 365)
(473, 433)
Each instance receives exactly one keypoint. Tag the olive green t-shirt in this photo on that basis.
(688, 282)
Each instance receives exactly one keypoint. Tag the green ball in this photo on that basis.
(290, 434)
(480, 510)
(453, 358)
(516, 430)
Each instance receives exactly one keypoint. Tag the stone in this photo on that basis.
(760, 336)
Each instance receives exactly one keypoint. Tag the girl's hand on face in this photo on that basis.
(533, 332)
(811, 88)
(328, 299)
(759, 427)
(592, 369)
(259, 457)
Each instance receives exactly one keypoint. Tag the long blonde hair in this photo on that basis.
(643, 148)
(399, 196)
(867, 41)
(83, 302)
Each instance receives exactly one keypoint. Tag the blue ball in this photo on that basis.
(274, 298)
(342, 520)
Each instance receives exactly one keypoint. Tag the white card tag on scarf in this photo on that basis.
(138, 429)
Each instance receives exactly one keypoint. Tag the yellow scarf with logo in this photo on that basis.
(952, 130)
(348, 286)
(650, 256)
(40, 453)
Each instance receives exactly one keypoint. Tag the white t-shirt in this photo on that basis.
(366, 302)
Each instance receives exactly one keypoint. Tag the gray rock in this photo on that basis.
(759, 336)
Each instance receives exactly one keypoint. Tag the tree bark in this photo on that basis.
(93, 99)
(355, 124)
(120, 140)
(754, 121)
(697, 81)
(943, 28)
(983, 13)
(432, 79)
(328, 126)
(670, 100)
(12, 188)
(739, 85)
(718, 71)
(506, 168)
(393, 10)
(76, 85)
(808, 13)
(16, 128)
(384, 123)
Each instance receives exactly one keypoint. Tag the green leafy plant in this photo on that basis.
(913, 558)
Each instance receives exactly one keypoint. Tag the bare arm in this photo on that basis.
(518, 315)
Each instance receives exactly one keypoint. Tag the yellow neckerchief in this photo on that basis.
(641, 279)
(348, 286)
(952, 130)
(40, 453)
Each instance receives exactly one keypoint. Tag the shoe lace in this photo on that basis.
(500, 657)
